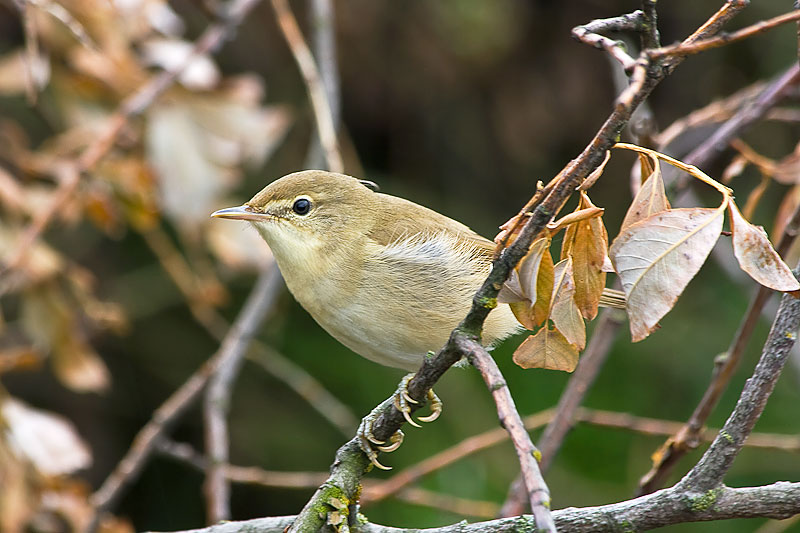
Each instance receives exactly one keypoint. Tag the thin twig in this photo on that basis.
(590, 34)
(316, 90)
(449, 456)
(236, 342)
(579, 383)
(528, 455)
(296, 378)
(684, 49)
(322, 21)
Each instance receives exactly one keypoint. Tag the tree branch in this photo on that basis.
(528, 455)
(666, 507)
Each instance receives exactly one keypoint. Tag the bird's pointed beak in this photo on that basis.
(242, 212)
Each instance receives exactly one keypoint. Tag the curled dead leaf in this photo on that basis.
(565, 314)
(651, 197)
(756, 256)
(586, 242)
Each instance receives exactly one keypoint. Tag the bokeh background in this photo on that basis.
(460, 105)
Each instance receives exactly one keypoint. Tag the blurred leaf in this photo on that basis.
(238, 246)
(586, 242)
(42, 262)
(789, 204)
(756, 255)
(49, 441)
(658, 256)
(19, 497)
(54, 325)
(196, 145)
(200, 72)
(15, 69)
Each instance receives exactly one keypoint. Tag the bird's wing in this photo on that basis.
(417, 220)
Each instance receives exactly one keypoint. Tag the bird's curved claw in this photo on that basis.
(402, 401)
(369, 443)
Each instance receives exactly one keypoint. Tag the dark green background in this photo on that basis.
(461, 105)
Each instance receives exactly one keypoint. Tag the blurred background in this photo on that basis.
(460, 105)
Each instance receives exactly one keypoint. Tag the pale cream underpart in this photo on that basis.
(379, 312)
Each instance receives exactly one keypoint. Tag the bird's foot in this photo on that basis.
(402, 401)
(370, 445)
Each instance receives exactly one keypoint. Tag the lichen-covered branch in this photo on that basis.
(666, 507)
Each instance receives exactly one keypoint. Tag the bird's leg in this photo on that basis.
(402, 402)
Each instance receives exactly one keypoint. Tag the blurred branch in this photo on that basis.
(306, 386)
(296, 378)
(708, 473)
(310, 480)
(235, 343)
(320, 104)
(323, 38)
(770, 96)
(216, 406)
(686, 439)
(375, 491)
(528, 455)
(210, 40)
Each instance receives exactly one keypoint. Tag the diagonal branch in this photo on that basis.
(320, 104)
(235, 343)
(528, 455)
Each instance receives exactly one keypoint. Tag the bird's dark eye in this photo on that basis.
(302, 206)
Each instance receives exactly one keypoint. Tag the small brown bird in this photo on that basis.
(388, 278)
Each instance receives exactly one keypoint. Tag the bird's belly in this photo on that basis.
(387, 335)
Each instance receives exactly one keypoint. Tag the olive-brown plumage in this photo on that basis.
(388, 278)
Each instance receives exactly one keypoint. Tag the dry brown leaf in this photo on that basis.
(579, 215)
(19, 496)
(596, 173)
(54, 325)
(587, 243)
(734, 168)
(520, 290)
(658, 256)
(565, 314)
(548, 348)
(756, 255)
(651, 198)
(544, 289)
